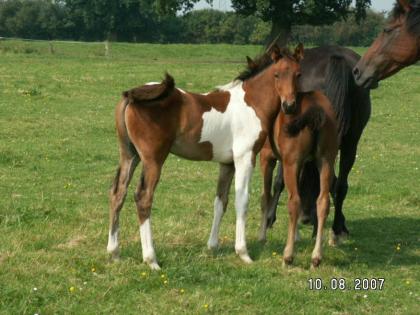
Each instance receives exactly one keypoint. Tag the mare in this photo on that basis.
(329, 69)
(396, 47)
(228, 126)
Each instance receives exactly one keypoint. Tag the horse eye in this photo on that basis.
(277, 75)
(298, 75)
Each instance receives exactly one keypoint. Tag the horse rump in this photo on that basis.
(149, 94)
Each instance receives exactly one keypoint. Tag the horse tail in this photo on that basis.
(151, 94)
(313, 118)
(338, 83)
(126, 146)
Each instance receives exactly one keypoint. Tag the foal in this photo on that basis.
(228, 126)
(305, 129)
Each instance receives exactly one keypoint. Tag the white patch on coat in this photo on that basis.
(112, 242)
(148, 250)
(152, 83)
(233, 132)
(243, 173)
(182, 91)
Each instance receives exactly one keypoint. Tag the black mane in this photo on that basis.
(413, 17)
(261, 63)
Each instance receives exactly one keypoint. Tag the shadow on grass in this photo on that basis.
(383, 241)
(373, 242)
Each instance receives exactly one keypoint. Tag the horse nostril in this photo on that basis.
(356, 72)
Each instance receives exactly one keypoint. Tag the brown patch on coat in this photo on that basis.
(218, 100)
(258, 145)
(173, 124)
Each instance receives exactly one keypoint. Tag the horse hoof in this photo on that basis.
(333, 239)
(154, 266)
(287, 261)
(344, 235)
(337, 239)
(315, 262)
(297, 236)
(114, 255)
(262, 239)
(246, 259)
(212, 247)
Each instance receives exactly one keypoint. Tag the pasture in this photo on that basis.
(58, 156)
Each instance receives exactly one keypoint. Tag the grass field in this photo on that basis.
(58, 155)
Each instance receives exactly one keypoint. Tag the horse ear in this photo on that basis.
(405, 5)
(299, 52)
(251, 63)
(276, 53)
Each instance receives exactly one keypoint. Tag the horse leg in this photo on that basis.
(144, 199)
(117, 194)
(226, 173)
(293, 205)
(267, 164)
(326, 171)
(278, 189)
(243, 173)
(347, 159)
(309, 190)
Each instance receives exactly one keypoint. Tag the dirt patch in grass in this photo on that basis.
(73, 242)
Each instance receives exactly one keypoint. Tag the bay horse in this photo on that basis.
(328, 69)
(305, 129)
(228, 126)
(396, 47)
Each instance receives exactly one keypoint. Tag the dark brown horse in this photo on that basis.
(397, 47)
(305, 129)
(228, 126)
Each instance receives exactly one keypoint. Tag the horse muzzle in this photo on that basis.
(288, 108)
(365, 79)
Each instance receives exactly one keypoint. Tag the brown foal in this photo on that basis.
(305, 129)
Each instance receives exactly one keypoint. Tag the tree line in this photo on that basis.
(143, 21)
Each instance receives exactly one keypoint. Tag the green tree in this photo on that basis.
(114, 19)
(342, 32)
(31, 19)
(283, 14)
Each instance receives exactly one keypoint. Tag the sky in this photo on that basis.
(377, 5)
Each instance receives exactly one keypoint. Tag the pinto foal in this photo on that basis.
(228, 126)
(305, 129)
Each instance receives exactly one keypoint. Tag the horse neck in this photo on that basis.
(261, 95)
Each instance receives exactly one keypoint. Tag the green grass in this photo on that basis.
(58, 155)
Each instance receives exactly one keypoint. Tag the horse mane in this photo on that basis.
(260, 63)
(413, 17)
(153, 92)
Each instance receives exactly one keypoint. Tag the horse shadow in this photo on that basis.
(386, 241)
(373, 242)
